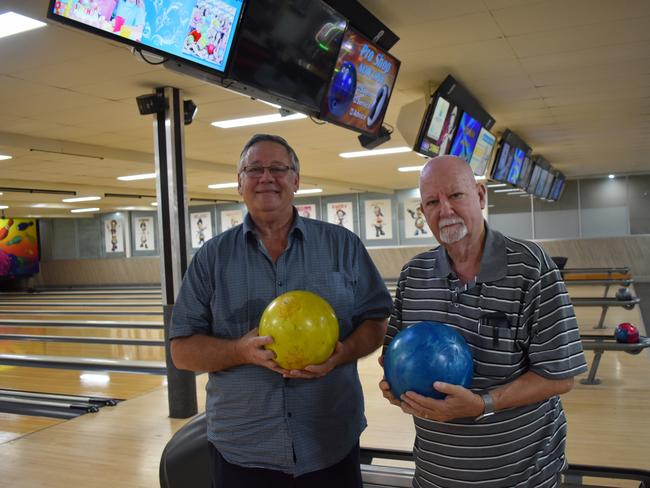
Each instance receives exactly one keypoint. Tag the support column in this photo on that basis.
(172, 218)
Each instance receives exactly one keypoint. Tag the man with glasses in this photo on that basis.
(270, 427)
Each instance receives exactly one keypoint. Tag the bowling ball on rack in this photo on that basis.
(426, 352)
(304, 328)
(623, 294)
(341, 92)
(626, 333)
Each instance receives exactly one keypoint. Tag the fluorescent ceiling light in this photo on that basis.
(507, 190)
(407, 169)
(4, 206)
(307, 191)
(260, 119)
(12, 23)
(219, 186)
(82, 210)
(4, 156)
(496, 185)
(144, 176)
(480, 178)
(611, 177)
(80, 199)
(154, 204)
(375, 152)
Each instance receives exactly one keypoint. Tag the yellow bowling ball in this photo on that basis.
(304, 328)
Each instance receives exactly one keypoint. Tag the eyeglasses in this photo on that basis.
(258, 171)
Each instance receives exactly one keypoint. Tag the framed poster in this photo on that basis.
(378, 219)
(415, 226)
(231, 218)
(341, 213)
(307, 210)
(145, 239)
(200, 228)
(113, 234)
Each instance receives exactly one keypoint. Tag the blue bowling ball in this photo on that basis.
(341, 92)
(426, 352)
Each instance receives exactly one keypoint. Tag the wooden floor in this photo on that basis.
(609, 423)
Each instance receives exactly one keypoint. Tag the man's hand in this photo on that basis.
(318, 370)
(459, 403)
(251, 349)
(388, 395)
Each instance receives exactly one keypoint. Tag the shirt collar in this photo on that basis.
(297, 228)
(493, 262)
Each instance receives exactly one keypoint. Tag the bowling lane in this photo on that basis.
(93, 317)
(126, 352)
(13, 426)
(152, 334)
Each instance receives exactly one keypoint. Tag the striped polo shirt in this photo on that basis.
(516, 317)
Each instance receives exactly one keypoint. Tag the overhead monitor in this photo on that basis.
(466, 137)
(548, 184)
(361, 85)
(539, 166)
(504, 156)
(197, 33)
(286, 51)
(524, 174)
(558, 187)
(515, 167)
(437, 128)
(482, 152)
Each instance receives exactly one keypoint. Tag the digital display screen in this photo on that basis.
(482, 152)
(199, 31)
(288, 50)
(534, 178)
(466, 136)
(541, 183)
(361, 85)
(19, 250)
(524, 174)
(501, 167)
(515, 167)
(558, 187)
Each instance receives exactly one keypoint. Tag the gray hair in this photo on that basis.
(293, 157)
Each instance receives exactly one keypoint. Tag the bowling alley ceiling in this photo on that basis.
(571, 77)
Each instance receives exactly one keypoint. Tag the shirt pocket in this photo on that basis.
(498, 353)
(338, 290)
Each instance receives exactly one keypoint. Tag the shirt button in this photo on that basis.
(279, 283)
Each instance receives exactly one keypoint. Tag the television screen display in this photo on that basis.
(482, 152)
(361, 85)
(466, 136)
(534, 177)
(19, 250)
(548, 184)
(557, 188)
(197, 32)
(541, 183)
(287, 50)
(504, 158)
(515, 166)
(524, 174)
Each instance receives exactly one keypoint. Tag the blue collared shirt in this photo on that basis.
(256, 418)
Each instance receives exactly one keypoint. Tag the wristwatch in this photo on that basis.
(489, 406)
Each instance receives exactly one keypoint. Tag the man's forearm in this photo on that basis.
(364, 340)
(205, 353)
(529, 388)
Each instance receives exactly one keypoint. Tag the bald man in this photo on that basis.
(507, 299)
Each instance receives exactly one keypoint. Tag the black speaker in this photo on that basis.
(370, 142)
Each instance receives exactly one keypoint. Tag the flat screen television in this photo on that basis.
(515, 167)
(482, 152)
(558, 187)
(19, 248)
(524, 174)
(538, 191)
(361, 85)
(548, 184)
(535, 175)
(438, 128)
(197, 33)
(502, 163)
(286, 51)
(466, 137)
